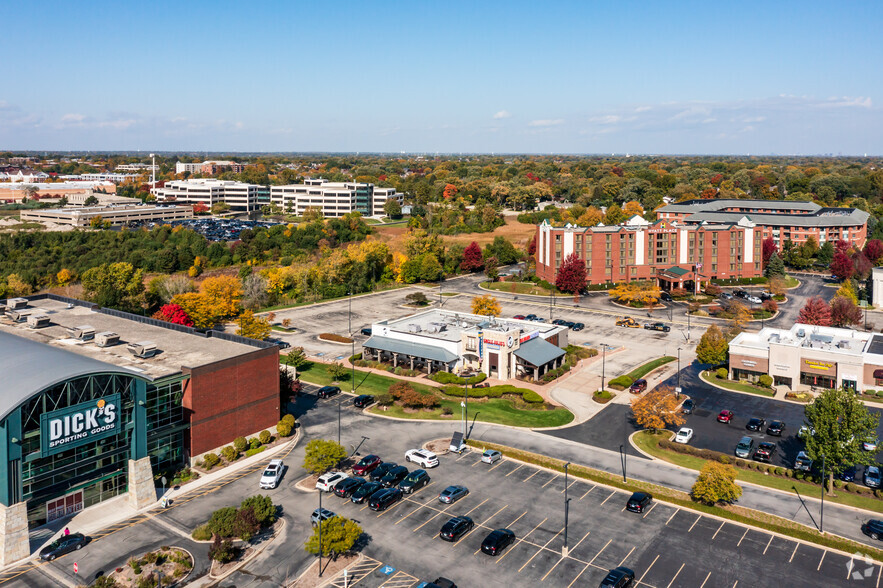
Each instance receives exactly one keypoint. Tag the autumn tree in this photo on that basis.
(323, 454)
(861, 266)
(224, 293)
(253, 327)
(449, 191)
(842, 266)
(778, 285)
(632, 208)
(815, 312)
(874, 251)
(658, 409)
(847, 290)
(614, 215)
(739, 315)
(198, 307)
(713, 346)
(65, 277)
(716, 483)
(591, 217)
(571, 276)
(486, 305)
(642, 292)
(472, 258)
(172, 313)
(844, 312)
(769, 248)
(115, 285)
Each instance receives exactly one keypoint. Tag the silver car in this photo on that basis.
(491, 455)
(872, 477)
(745, 447)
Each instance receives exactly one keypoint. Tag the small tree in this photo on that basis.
(486, 305)
(740, 316)
(472, 258)
(222, 551)
(339, 536)
(842, 266)
(815, 312)
(417, 299)
(712, 347)
(321, 455)
(571, 276)
(844, 312)
(295, 357)
(778, 285)
(769, 249)
(253, 327)
(392, 208)
(338, 371)
(644, 292)
(775, 266)
(716, 483)
(847, 290)
(658, 409)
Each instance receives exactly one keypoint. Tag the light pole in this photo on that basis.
(622, 460)
(824, 482)
(603, 362)
(551, 304)
(465, 406)
(678, 388)
(566, 510)
(319, 523)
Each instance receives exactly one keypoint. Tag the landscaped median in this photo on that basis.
(503, 405)
(624, 381)
(760, 474)
(716, 380)
(737, 514)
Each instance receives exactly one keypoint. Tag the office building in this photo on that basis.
(333, 199)
(240, 196)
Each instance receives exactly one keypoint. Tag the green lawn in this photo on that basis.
(643, 370)
(737, 386)
(285, 305)
(649, 443)
(366, 382)
(791, 282)
(516, 288)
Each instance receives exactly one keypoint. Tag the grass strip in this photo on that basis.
(736, 386)
(643, 370)
(738, 514)
(516, 288)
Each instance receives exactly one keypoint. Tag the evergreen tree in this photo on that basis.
(775, 266)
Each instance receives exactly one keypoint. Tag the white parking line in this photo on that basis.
(821, 560)
(694, 523)
(627, 556)
(743, 537)
(649, 511)
(568, 486)
(532, 475)
(550, 481)
(705, 580)
(641, 579)
(515, 470)
(587, 491)
(718, 530)
(672, 516)
(608, 498)
(676, 576)
(609, 541)
(577, 576)
(464, 455)
(796, 545)
(502, 461)
(540, 549)
(768, 544)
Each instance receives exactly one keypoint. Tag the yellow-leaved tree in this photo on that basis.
(199, 308)
(224, 292)
(486, 305)
(631, 208)
(253, 327)
(657, 409)
(643, 292)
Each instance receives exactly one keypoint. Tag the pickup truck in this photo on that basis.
(657, 327)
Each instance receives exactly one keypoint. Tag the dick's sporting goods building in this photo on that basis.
(94, 403)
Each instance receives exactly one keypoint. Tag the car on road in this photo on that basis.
(872, 477)
(452, 494)
(753, 299)
(62, 545)
(638, 386)
(665, 296)
(365, 491)
(345, 488)
(657, 327)
(725, 416)
(776, 428)
(496, 541)
(422, 457)
(381, 470)
(327, 482)
(849, 474)
(519, 317)
(621, 577)
(803, 462)
(366, 331)
(870, 445)
(765, 451)
(873, 529)
(363, 400)
(385, 498)
(755, 424)
(456, 528)
(744, 447)
(327, 391)
(726, 296)
(530, 317)
(638, 502)
(687, 406)
(740, 293)
(627, 321)
(320, 515)
(578, 326)
(491, 455)
(272, 474)
(684, 435)
(414, 481)
(394, 476)
(367, 464)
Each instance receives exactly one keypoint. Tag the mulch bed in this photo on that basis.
(311, 579)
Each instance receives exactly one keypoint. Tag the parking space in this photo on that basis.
(666, 546)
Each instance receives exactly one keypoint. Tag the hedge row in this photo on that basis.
(620, 382)
(449, 378)
(495, 392)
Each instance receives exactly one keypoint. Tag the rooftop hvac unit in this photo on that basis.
(17, 303)
(38, 321)
(143, 349)
(414, 328)
(107, 339)
(18, 316)
(84, 333)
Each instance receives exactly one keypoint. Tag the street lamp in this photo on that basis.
(678, 388)
(319, 523)
(566, 510)
(465, 406)
(603, 362)
(824, 482)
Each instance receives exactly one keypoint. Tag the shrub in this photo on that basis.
(850, 487)
(221, 521)
(246, 524)
(384, 399)
(532, 397)
(135, 565)
(838, 483)
(240, 443)
(713, 289)
(780, 471)
(222, 551)
(289, 418)
(620, 383)
(255, 451)
(201, 533)
(265, 437)
(766, 381)
(724, 459)
(722, 373)
(211, 460)
(263, 507)
(254, 443)
(789, 473)
(879, 393)
(283, 428)
(230, 453)
(446, 411)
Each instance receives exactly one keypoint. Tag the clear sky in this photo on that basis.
(728, 77)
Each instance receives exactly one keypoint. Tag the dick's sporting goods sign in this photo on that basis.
(80, 424)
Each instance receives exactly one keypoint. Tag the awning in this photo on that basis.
(878, 374)
(538, 352)
(420, 350)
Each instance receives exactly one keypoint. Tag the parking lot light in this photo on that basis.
(566, 511)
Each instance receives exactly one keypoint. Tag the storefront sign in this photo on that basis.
(529, 336)
(77, 425)
(817, 365)
(496, 342)
(749, 363)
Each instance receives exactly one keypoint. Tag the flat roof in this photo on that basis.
(177, 349)
(828, 339)
(718, 204)
(837, 217)
(447, 325)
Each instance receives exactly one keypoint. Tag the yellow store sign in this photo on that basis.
(817, 365)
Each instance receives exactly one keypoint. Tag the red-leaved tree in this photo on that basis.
(172, 313)
(769, 247)
(844, 312)
(472, 260)
(842, 266)
(571, 275)
(532, 247)
(862, 266)
(815, 312)
(449, 191)
(874, 251)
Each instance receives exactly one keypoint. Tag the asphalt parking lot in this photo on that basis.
(666, 546)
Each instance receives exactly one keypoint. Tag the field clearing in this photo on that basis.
(518, 233)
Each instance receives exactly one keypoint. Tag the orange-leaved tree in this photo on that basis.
(658, 409)
(486, 305)
(643, 292)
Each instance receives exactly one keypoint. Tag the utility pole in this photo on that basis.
(678, 388)
(319, 523)
(603, 362)
(824, 484)
(465, 406)
(566, 511)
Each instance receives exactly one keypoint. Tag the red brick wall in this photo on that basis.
(232, 398)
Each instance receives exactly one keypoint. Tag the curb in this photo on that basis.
(249, 558)
(719, 387)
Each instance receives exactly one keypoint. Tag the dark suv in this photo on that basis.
(394, 476)
(327, 391)
(638, 386)
(755, 424)
(776, 428)
(363, 400)
(384, 498)
(765, 452)
(381, 470)
(873, 529)
(639, 501)
(365, 491)
(415, 480)
(620, 577)
(456, 528)
(347, 486)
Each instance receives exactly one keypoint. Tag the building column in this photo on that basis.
(429, 366)
(395, 360)
(448, 367)
(411, 357)
(536, 374)
(142, 489)
(14, 544)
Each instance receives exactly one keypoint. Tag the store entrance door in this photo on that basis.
(64, 506)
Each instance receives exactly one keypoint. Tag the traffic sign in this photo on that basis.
(76, 568)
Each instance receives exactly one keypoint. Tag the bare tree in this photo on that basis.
(171, 286)
(254, 291)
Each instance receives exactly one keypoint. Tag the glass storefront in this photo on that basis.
(740, 374)
(817, 380)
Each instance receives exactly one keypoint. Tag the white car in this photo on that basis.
(491, 455)
(869, 445)
(327, 482)
(426, 459)
(272, 474)
(684, 435)
(753, 299)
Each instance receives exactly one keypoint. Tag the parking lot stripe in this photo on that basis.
(577, 576)
(641, 579)
(540, 549)
(532, 475)
(796, 545)
(550, 481)
(718, 530)
(676, 576)
(627, 556)
(608, 498)
(609, 541)
(479, 504)
(568, 486)
(516, 520)
(560, 559)
(705, 580)
(502, 461)
(649, 511)
(694, 524)
(578, 542)
(519, 540)
(768, 544)
(467, 453)
(743, 537)
(879, 573)
(476, 463)
(515, 470)
(672, 516)
(587, 491)
(821, 560)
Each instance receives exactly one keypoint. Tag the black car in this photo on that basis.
(578, 326)
(726, 296)
(849, 474)
(328, 391)
(497, 540)
(687, 406)
(740, 293)
(363, 400)
(559, 322)
(657, 327)
(456, 528)
(620, 577)
(776, 428)
(873, 529)
(764, 296)
(394, 476)
(530, 317)
(441, 583)
(639, 501)
(415, 480)
(568, 324)
(765, 452)
(63, 545)
(665, 296)
(383, 499)
(366, 331)
(755, 424)
(347, 486)
(382, 470)
(365, 491)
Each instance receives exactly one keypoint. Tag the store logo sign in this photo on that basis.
(80, 424)
(818, 365)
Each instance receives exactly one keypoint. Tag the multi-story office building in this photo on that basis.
(116, 215)
(780, 219)
(209, 168)
(675, 255)
(240, 196)
(333, 198)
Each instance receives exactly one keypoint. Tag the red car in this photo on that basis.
(519, 317)
(367, 465)
(725, 416)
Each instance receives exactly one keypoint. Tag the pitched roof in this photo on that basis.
(538, 352)
(410, 348)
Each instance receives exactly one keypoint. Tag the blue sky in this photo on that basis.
(526, 77)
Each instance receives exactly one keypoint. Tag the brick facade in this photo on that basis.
(232, 398)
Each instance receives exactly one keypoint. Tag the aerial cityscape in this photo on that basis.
(441, 295)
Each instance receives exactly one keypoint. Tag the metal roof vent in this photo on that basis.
(107, 339)
(143, 349)
(18, 316)
(16, 303)
(83, 333)
(38, 321)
